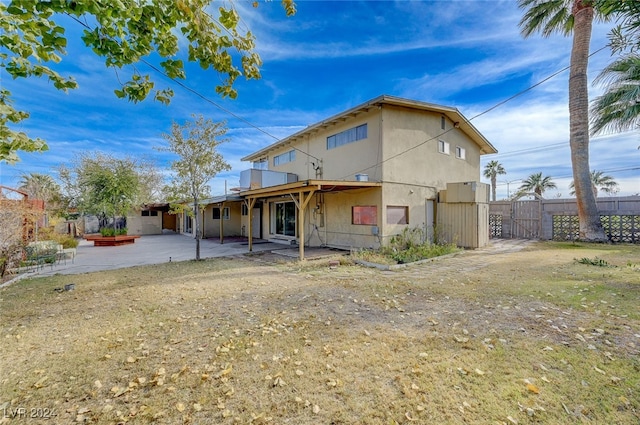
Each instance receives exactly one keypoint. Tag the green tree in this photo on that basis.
(599, 182)
(195, 143)
(102, 185)
(491, 171)
(123, 32)
(572, 17)
(536, 183)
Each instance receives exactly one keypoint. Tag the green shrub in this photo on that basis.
(110, 231)
(107, 231)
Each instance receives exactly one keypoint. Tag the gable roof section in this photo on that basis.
(450, 112)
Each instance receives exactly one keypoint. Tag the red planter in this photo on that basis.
(99, 240)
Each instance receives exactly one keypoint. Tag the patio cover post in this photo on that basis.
(250, 204)
(302, 203)
(221, 223)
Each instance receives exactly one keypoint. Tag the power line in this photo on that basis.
(474, 117)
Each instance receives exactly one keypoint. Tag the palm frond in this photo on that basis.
(618, 109)
(546, 16)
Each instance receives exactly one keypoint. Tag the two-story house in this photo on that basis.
(359, 177)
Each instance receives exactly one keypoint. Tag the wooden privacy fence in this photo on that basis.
(557, 219)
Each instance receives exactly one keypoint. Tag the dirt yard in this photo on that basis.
(516, 334)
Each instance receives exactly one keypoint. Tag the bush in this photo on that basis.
(407, 247)
(110, 231)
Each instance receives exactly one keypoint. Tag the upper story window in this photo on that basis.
(461, 152)
(262, 164)
(348, 136)
(443, 147)
(284, 158)
(442, 122)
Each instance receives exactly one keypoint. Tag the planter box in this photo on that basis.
(99, 240)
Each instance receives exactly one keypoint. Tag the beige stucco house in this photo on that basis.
(358, 178)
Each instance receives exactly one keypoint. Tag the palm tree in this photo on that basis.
(618, 109)
(491, 171)
(599, 181)
(536, 183)
(40, 186)
(565, 17)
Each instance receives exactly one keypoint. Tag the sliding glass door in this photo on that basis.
(283, 220)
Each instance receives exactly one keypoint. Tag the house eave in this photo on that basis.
(307, 185)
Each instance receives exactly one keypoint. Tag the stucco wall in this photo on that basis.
(342, 162)
(232, 227)
(414, 197)
(410, 149)
(338, 229)
(147, 225)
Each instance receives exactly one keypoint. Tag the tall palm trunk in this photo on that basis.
(590, 226)
(493, 187)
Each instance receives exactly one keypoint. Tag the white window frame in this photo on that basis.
(461, 153)
(443, 147)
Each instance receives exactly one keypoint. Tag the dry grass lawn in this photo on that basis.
(481, 337)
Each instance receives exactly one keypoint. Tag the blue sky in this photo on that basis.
(329, 57)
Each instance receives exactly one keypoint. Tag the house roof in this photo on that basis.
(450, 112)
(220, 199)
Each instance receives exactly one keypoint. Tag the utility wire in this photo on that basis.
(475, 116)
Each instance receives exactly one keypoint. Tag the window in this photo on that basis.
(364, 215)
(147, 213)
(216, 213)
(262, 164)
(348, 136)
(284, 158)
(461, 152)
(397, 215)
(244, 210)
(443, 147)
(442, 122)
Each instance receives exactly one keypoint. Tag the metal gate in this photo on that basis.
(526, 219)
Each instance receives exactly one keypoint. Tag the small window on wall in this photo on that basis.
(244, 209)
(442, 122)
(461, 152)
(216, 213)
(397, 215)
(145, 213)
(443, 147)
(365, 215)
